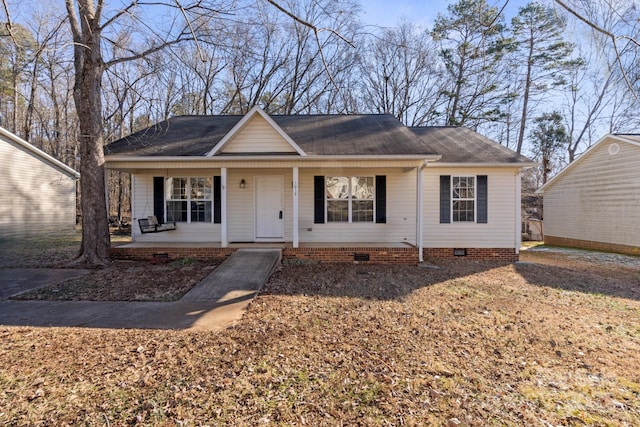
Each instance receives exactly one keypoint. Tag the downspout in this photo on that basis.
(419, 208)
(296, 237)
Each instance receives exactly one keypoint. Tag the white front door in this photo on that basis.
(269, 208)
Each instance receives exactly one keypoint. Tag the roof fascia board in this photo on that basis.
(139, 159)
(44, 156)
(483, 165)
(243, 122)
(624, 139)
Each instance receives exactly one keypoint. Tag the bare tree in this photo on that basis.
(616, 22)
(90, 29)
(401, 75)
(599, 92)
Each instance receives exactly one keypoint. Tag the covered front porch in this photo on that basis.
(380, 253)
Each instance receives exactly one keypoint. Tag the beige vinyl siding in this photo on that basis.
(599, 199)
(258, 136)
(401, 210)
(499, 232)
(143, 207)
(37, 198)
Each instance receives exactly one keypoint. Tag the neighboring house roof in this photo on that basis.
(39, 154)
(628, 137)
(317, 135)
(462, 145)
(632, 139)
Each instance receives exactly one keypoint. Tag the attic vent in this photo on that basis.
(614, 149)
(360, 257)
(459, 252)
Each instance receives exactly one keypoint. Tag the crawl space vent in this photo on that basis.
(360, 257)
(459, 252)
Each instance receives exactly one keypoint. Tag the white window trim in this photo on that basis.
(474, 199)
(349, 200)
(188, 199)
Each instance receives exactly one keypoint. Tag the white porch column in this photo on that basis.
(224, 241)
(296, 237)
(419, 209)
(106, 191)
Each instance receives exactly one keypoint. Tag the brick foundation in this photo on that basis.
(375, 255)
(143, 254)
(488, 254)
(408, 255)
(587, 244)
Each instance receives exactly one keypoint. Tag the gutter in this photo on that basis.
(484, 165)
(140, 159)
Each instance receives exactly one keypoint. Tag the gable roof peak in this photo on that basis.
(255, 111)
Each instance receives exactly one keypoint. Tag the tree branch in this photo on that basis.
(146, 52)
(8, 23)
(310, 25)
(193, 33)
(118, 15)
(316, 32)
(610, 35)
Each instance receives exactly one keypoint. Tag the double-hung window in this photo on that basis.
(463, 198)
(350, 199)
(189, 199)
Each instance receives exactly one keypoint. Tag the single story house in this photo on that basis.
(327, 187)
(594, 202)
(38, 192)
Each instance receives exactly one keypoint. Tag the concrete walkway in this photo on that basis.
(214, 304)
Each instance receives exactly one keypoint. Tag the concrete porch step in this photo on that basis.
(241, 276)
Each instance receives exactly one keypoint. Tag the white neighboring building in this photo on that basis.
(594, 203)
(38, 192)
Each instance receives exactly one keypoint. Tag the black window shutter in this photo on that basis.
(482, 199)
(158, 198)
(318, 199)
(445, 199)
(381, 199)
(217, 200)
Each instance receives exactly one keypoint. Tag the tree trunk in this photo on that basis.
(89, 68)
(525, 98)
(95, 229)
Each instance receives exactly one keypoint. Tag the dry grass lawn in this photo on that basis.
(551, 343)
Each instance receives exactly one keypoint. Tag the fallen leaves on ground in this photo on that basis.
(467, 344)
(128, 281)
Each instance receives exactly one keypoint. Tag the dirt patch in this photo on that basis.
(128, 281)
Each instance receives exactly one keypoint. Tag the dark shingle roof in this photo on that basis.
(462, 145)
(321, 135)
(178, 136)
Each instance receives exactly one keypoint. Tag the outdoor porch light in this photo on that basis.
(242, 183)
